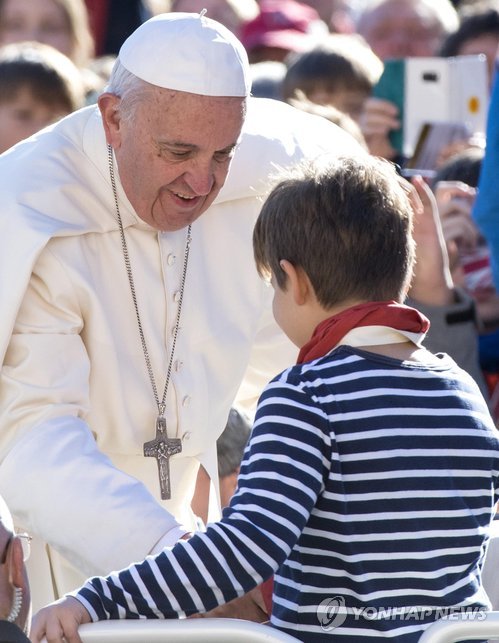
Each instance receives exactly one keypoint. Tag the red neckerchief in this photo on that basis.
(373, 313)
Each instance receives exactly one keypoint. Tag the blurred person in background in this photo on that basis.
(230, 450)
(331, 113)
(340, 71)
(339, 15)
(454, 185)
(112, 21)
(38, 86)
(400, 29)
(266, 79)
(63, 24)
(281, 27)
(233, 14)
(478, 33)
(60, 23)
(404, 28)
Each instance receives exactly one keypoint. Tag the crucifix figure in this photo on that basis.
(162, 448)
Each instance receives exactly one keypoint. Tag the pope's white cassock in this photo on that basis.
(75, 397)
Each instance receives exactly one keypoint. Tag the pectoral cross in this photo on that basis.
(162, 448)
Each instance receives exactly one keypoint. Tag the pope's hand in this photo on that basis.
(59, 622)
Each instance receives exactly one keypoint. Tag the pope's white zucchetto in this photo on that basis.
(188, 52)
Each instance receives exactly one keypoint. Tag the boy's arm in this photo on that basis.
(255, 536)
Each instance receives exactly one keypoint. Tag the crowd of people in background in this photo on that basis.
(323, 58)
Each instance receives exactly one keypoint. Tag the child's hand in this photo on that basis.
(379, 117)
(432, 282)
(59, 622)
(455, 202)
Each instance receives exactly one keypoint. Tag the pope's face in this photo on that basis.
(174, 153)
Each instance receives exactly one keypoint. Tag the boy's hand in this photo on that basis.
(59, 622)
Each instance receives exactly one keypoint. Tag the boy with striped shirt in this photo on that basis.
(369, 482)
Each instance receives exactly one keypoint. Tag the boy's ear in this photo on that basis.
(298, 282)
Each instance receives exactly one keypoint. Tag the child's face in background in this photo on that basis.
(23, 116)
(349, 101)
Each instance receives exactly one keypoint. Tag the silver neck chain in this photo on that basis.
(161, 404)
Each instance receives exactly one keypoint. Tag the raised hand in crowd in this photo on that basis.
(376, 121)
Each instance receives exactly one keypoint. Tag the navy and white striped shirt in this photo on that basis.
(368, 487)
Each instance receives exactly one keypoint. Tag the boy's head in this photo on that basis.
(341, 71)
(38, 85)
(347, 225)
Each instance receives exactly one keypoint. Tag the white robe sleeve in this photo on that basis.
(52, 475)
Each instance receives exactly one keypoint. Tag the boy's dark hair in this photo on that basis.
(348, 225)
(339, 62)
(48, 74)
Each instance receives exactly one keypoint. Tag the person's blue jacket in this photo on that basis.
(486, 208)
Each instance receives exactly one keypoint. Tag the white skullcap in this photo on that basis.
(188, 52)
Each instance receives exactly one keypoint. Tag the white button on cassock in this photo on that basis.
(170, 260)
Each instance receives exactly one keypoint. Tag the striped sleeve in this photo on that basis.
(284, 470)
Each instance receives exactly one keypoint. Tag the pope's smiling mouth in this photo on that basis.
(184, 196)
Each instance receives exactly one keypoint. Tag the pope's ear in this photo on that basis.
(109, 108)
(16, 563)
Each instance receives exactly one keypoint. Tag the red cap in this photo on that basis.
(285, 24)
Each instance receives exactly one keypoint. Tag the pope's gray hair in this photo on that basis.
(131, 89)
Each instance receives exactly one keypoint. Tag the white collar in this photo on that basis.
(377, 335)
